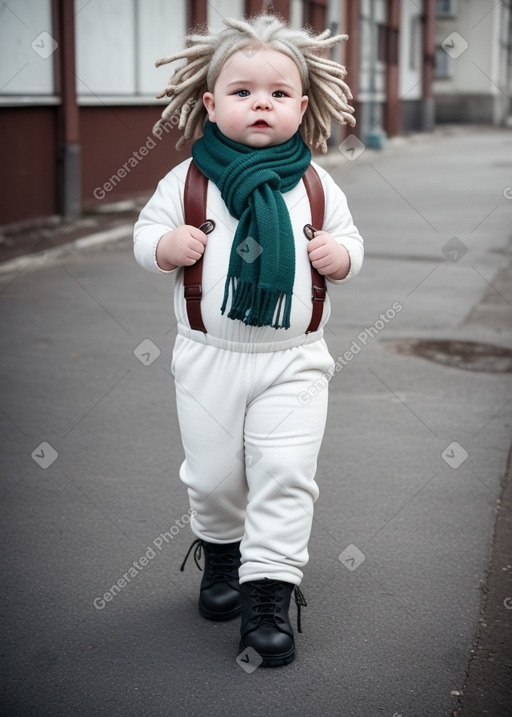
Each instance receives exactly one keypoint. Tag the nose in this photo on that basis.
(262, 101)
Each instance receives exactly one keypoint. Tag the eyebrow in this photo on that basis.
(239, 82)
(281, 82)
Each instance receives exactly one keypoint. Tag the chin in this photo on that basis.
(261, 141)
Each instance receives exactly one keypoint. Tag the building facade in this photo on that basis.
(78, 84)
(473, 79)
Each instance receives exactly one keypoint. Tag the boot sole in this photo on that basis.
(219, 617)
(273, 660)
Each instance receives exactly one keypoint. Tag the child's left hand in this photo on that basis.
(328, 257)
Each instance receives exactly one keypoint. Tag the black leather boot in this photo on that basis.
(219, 595)
(265, 622)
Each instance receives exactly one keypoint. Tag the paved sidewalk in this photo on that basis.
(412, 526)
(25, 243)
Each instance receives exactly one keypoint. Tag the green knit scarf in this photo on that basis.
(261, 268)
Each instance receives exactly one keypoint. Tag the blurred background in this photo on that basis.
(78, 84)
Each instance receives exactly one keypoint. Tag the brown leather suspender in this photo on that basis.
(194, 198)
(196, 188)
(315, 193)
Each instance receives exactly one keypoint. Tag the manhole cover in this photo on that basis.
(467, 355)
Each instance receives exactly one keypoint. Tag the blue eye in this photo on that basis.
(242, 93)
(279, 93)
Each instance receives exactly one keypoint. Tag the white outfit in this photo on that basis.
(251, 446)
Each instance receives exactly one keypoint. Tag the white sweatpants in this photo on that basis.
(251, 445)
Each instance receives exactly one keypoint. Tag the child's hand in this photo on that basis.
(181, 247)
(328, 257)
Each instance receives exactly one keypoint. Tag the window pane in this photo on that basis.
(105, 43)
(26, 67)
(162, 28)
(222, 9)
(444, 66)
(445, 7)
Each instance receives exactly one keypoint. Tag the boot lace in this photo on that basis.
(267, 595)
(221, 567)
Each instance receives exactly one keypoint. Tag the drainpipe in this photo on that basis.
(69, 150)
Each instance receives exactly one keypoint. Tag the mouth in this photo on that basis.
(260, 124)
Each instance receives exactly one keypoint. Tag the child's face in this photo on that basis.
(257, 99)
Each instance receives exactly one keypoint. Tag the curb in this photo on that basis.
(39, 260)
(488, 687)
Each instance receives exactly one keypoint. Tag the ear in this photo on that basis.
(209, 103)
(303, 105)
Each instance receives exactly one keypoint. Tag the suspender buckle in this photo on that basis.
(193, 293)
(208, 226)
(318, 293)
(309, 231)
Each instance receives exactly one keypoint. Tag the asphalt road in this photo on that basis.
(97, 618)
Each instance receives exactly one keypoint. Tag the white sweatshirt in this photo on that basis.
(164, 212)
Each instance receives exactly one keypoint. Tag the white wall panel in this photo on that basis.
(411, 51)
(26, 48)
(221, 9)
(105, 45)
(162, 27)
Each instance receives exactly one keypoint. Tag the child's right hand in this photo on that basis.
(181, 247)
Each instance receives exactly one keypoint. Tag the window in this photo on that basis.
(217, 11)
(27, 48)
(446, 8)
(118, 43)
(387, 45)
(415, 40)
(444, 64)
(381, 43)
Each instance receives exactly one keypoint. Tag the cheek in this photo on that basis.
(229, 117)
(293, 118)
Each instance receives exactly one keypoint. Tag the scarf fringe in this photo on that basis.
(257, 305)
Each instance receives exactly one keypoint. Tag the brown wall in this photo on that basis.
(29, 163)
(115, 136)
(110, 138)
(315, 14)
(280, 7)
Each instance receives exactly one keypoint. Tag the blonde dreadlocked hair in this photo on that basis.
(322, 79)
